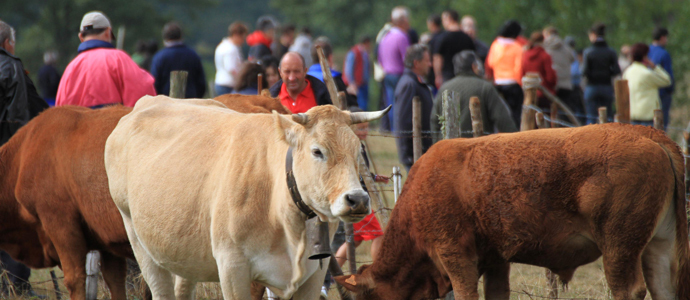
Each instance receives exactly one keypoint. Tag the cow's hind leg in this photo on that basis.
(159, 280)
(658, 259)
(70, 245)
(114, 273)
(497, 282)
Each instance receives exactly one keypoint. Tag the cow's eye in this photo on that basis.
(317, 153)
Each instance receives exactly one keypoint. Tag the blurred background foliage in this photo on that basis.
(52, 24)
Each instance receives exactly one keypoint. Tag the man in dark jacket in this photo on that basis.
(19, 102)
(466, 84)
(599, 66)
(296, 90)
(176, 56)
(417, 63)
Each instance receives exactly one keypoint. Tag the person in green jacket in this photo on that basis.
(468, 83)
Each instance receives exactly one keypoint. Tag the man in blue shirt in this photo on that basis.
(659, 56)
(176, 56)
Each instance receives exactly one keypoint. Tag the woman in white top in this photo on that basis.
(228, 58)
(644, 80)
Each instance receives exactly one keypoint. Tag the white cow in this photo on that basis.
(202, 191)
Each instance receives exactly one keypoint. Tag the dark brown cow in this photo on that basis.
(556, 198)
(55, 205)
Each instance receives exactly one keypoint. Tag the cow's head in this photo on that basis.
(420, 284)
(325, 160)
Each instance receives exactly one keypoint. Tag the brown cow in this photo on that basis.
(556, 198)
(55, 205)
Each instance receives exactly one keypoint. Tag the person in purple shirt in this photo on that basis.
(659, 56)
(391, 55)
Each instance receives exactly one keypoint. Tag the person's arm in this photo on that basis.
(657, 77)
(551, 76)
(584, 68)
(518, 66)
(349, 68)
(136, 82)
(498, 112)
(13, 84)
(403, 120)
(668, 67)
(438, 70)
(615, 68)
(158, 82)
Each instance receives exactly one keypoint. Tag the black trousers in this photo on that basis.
(18, 274)
(514, 97)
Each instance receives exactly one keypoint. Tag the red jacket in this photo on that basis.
(536, 60)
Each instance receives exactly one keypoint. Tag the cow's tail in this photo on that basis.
(682, 245)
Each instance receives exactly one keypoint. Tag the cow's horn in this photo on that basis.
(366, 116)
(300, 118)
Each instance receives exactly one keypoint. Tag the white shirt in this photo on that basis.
(228, 62)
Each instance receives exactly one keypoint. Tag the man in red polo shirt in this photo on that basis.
(296, 90)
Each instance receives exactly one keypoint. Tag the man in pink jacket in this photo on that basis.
(101, 75)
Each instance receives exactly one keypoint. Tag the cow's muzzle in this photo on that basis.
(358, 202)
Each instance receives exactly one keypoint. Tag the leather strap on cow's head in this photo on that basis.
(292, 186)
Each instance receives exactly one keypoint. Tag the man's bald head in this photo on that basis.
(293, 71)
(292, 57)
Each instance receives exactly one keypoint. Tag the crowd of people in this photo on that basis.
(448, 57)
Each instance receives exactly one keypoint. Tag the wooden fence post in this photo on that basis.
(178, 84)
(350, 238)
(397, 183)
(260, 83)
(476, 115)
(541, 122)
(93, 259)
(602, 115)
(554, 115)
(342, 97)
(527, 120)
(328, 78)
(416, 128)
(120, 37)
(622, 101)
(451, 115)
(372, 168)
(659, 119)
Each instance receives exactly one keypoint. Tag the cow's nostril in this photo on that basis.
(351, 201)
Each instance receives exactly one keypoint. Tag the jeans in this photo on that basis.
(389, 83)
(597, 96)
(222, 90)
(363, 97)
(665, 108)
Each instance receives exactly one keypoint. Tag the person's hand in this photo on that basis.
(381, 178)
(352, 89)
(648, 63)
(439, 82)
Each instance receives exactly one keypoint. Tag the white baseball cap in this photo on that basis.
(95, 20)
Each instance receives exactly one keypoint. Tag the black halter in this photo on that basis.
(292, 186)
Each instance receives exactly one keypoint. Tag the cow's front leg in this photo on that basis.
(235, 277)
(460, 262)
(497, 282)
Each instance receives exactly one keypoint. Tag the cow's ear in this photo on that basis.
(358, 284)
(288, 129)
